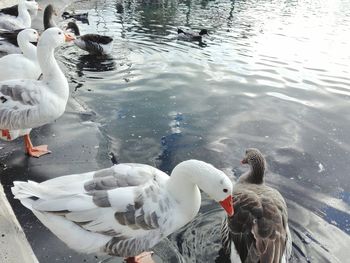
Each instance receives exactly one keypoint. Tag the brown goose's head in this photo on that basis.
(256, 161)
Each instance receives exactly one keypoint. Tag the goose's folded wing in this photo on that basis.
(127, 193)
(19, 100)
(12, 10)
(131, 215)
(124, 202)
(93, 43)
(9, 23)
(99, 39)
(258, 226)
(9, 36)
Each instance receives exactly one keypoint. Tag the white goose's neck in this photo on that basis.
(23, 14)
(183, 186)
(28, 49)
(52, 74)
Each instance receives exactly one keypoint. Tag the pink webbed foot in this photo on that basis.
(144, 257)
(36, 151)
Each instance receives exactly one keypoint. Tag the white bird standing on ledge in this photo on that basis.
(26, 103)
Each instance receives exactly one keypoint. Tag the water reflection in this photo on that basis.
(95, 64)
(274, 75)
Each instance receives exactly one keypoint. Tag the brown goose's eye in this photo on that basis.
(225, 190)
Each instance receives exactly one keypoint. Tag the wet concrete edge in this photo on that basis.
(14, 245)
(75, 141)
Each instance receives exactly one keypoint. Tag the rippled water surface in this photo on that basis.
(272, 75)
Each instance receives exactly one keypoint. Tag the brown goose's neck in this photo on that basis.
(255, 175)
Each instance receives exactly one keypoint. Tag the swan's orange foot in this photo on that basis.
(144, 257)
(38, 151)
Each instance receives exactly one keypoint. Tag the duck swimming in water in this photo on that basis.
(93, 43)
(191, 36)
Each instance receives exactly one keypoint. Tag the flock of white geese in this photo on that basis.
(127, 209)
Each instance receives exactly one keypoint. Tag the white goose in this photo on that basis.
(126, 209)
(23, 20)
(8, 38)
(22, 66)
(258, 231)
(26, 104)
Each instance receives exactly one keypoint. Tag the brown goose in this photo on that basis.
(258, 231)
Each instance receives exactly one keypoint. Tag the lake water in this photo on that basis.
(272, 75)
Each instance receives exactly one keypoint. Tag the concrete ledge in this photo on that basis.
(14, 245)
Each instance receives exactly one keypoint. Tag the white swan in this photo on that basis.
(126, 209)
(22, 66)
(23, 20)
(26, 104)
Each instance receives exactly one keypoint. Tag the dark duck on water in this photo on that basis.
(191, 36)
(93, 43)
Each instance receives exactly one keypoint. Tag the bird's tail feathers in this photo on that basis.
(22, 190)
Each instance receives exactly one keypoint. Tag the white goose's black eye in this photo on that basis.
(60, 33)
(225, 190)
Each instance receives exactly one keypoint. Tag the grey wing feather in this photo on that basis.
(121, 175)
(20, 94)
(18, 106)
(133, 226)
(120, 246)
(12, 10)
(226, 238)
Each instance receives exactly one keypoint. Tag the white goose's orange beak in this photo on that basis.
(68, 37)
(228, 205)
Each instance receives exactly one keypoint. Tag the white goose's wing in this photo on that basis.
(123, 205)
(10, 22)
(19, 104)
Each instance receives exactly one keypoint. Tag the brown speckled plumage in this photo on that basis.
(259, 227)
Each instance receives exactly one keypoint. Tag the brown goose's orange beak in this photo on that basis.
(68, 37)
(228, 205)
